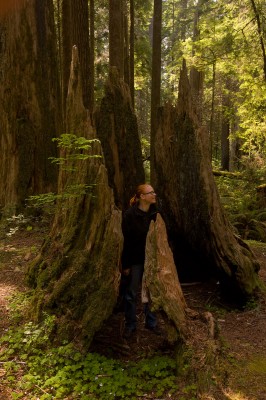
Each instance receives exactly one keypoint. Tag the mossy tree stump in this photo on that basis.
(76, 275)
(200, 235)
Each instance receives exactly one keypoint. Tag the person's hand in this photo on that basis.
(126, 272)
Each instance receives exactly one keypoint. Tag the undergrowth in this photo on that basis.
(33, 365)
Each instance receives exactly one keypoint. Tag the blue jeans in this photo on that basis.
(131, 292)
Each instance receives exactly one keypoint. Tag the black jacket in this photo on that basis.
(135, 226)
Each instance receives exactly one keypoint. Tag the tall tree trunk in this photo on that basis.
(156, 73)
(116, 36)
(260, 33)
(126, 50)
(77, 269)
(91, 55)
(117, 128)
(75, 27)
(211, 129)
(30, 101)
(197, 77)
(80, 38)
(131, 54)
(225, 132)
(203, 242)
(66, 49)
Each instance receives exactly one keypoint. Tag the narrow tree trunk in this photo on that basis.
(156, 73)
(260, 33)
(66, 49)
(203, 242)
(30, 101)
(197, 77)
(131, 53)
(91, 55)
(77, 270)
(117, 128)
(80, 38)
(225, 144)
(116, 36)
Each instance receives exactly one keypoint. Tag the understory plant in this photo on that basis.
(34, 366)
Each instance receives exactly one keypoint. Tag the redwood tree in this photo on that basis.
(202, 239)
(77, 269)
(30, 101)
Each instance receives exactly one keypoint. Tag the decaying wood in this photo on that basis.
(76, 275)
(200, 235)
(117, 128)
(161, 279)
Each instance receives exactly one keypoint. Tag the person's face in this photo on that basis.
(149, 195)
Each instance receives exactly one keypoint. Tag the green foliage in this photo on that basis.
(77, 149)
(73, 149)
(238, 191)
(56, 372)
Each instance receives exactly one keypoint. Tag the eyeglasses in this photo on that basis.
(152, 192)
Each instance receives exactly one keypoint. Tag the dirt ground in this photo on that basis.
(241, 369)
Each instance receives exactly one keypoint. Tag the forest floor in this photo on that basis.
(240, 355)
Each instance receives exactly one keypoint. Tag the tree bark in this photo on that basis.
(196, 76)
(156, 73)
(160, 277)
(91, 55)
(131, 52)
(117, 128)
(30, 102)
(80, 38)
(76, 275)
(225, 132)
(201, 237)
(66, 49)
(116, 36)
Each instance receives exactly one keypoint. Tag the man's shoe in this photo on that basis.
(128, 333)
(155, 329)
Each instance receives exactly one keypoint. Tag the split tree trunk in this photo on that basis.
(30, 101)
(76, 274)
(117, 128)
(162, 283)
(201, 237)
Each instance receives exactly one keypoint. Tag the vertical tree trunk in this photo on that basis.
(260, 33)
(126, 50)
(75, 27)
(203, 243)
(30, 101)
(80, 38)
(77, 270)
(117, 128)
(66, 48)
(211, 130)
(156, 73)
(197, 77)
(225, 132)
(116, 36)
(91, 55)
(131, 54)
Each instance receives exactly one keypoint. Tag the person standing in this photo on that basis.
(135, 226)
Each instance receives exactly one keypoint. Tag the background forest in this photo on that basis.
(96, 97)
